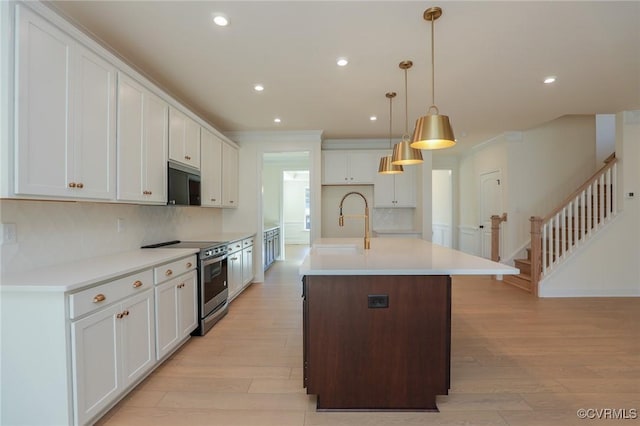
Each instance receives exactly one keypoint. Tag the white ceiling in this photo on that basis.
(491, 58)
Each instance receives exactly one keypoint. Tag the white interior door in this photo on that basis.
(490, 204)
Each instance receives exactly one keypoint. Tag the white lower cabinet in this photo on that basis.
(247, 261)
(234, 271)
(111, 349)
(176, 312)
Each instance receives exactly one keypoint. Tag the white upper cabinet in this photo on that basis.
(395, 190)
(229, 175)
(211, 169)
(142, 144)
(184, 139)
(65, 107)
(342, 167)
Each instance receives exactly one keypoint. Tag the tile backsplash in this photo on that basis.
(57, 232)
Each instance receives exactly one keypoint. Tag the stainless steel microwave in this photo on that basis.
(184, 185)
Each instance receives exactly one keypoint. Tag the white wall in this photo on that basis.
(248, 215)
(50, 232)
(609, 265)
(331, 197)
(605, 136)
(442, 207)
(539, 166)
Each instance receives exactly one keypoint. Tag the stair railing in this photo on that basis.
(555, 236)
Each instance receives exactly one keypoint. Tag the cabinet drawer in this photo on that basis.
(96, 297)
(173, 269)
(247, 242)
(234, 246)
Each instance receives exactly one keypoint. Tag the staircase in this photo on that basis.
(523, 279)
(572, 224)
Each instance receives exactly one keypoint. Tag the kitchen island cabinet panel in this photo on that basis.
(377, 342)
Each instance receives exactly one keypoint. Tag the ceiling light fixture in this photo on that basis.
(258, 87)
(550, 79)
(386, 167)
(220, 20)
(433, 131)
(342, 62)
(277, 120)
(373, 118)
(403, 153)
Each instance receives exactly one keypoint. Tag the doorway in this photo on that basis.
(286, 197)
(490, 204)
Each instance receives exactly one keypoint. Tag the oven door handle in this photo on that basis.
(208, 262)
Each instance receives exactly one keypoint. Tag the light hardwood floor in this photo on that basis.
(516, 360)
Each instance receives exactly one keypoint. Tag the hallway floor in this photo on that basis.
(516, 360)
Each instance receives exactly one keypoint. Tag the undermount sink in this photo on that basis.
(339, 249)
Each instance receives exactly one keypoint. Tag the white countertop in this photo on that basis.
(394, 256)
(76, 275)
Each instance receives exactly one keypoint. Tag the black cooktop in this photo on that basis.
(186, 244)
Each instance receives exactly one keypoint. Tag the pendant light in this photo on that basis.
(403, 153)
(385, 167)
(433, 131)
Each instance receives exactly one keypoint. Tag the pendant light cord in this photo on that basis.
(433, 65)
(390, 115)
(406, 106)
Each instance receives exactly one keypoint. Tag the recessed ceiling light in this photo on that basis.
(342, 62)
(277, 120)
(220, 20)
(373, 118)
(550, 79)
(258, 87)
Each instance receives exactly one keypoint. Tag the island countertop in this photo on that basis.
(394, 256)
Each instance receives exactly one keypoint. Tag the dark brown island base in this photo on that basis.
(377, 342)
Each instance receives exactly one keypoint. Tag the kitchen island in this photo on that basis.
(377, 323)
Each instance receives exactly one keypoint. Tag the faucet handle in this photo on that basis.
(341, 220)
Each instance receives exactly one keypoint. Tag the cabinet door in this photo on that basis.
(94, 351)
(188, 304)
(138, 337)
(234, 268)
(142, 144)
(363, 167)
(247, 265)
(384, 190)
(229, 176)
(167, 333)
(211, 168)
(184, 139)
(334, 168)
(44, 155)
(95, 124)
(405, 187)
(155, 117)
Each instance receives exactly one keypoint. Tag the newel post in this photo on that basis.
(495, 235)
(536, 253)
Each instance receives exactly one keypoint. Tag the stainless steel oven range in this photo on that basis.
(213, 292)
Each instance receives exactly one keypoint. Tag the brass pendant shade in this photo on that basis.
(386, 167)
(433, 131)
(403, 153)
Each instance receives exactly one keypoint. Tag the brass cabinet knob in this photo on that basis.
(80, 185)
(99, 298)
(168, 273)
(119, 315)
(125, 313)
(72, 184)
(186, 157)
(189, 264)
(137, 284)
(213, 199)
(231, 201)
